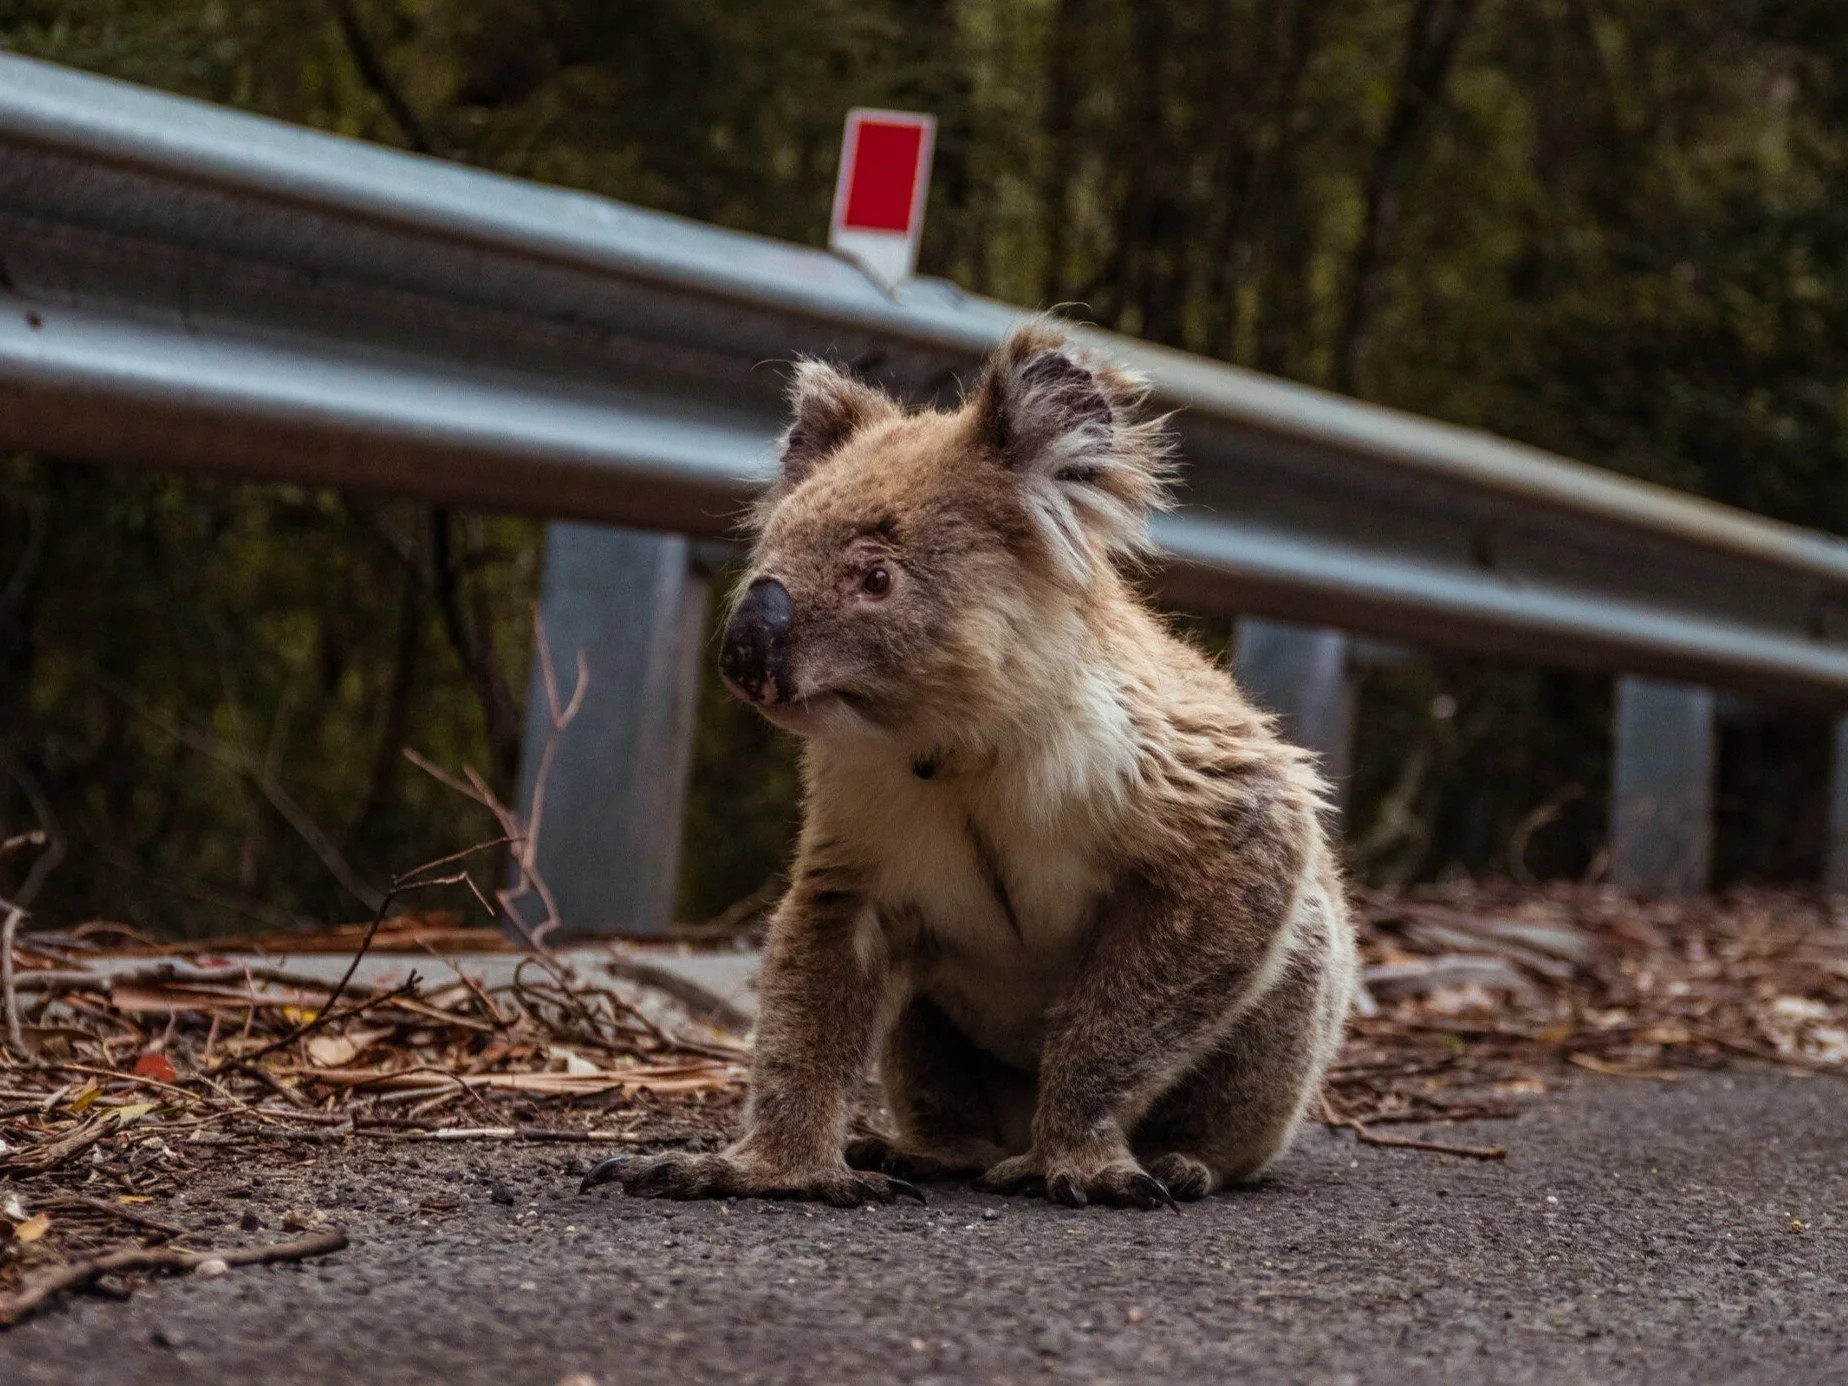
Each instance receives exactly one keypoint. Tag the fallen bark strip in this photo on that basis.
(66, 1203)
(409, 1131)
(40, 1288)
(223, 979)
(502, 1133)
(664, 1078)
(1470, 1152)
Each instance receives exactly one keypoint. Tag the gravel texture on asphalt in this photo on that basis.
(1638, 1232)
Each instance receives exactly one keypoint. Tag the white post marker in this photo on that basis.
(879, 195)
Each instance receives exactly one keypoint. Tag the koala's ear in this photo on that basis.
(1066, 425)
(827, 408)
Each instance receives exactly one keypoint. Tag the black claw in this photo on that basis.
(1154, 1190)
(905, 1189)
(604, 1171)
(1062, 1188)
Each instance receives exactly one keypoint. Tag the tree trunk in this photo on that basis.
(1431, 41)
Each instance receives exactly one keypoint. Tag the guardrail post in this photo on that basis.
(609, 840)
(1662, 786)
(1301, 673)
(1835, 861)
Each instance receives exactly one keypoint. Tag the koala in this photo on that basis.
(1055, 871)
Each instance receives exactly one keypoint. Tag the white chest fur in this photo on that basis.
(983, 910)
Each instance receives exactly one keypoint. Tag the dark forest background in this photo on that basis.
(1612, 228)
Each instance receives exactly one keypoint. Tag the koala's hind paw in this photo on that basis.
(723, 1176)
(1117, 1184)
(876, 1152)
(1186, 1177)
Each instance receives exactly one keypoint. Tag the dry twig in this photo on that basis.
(1369, 1137)
(45, 1285)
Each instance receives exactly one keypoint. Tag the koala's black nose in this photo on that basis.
(754, 655)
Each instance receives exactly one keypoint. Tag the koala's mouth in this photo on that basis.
(808, 716)
(818, 713)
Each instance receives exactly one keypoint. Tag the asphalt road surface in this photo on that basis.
(1638, 1232)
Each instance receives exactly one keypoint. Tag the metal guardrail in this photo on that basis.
(190, 287)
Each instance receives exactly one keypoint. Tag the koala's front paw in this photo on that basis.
(726, 1176)
(1075, 1181)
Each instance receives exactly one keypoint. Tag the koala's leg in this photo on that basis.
(1235, 1111)
(819, 1005)
(1172, 960)
(941, 1088)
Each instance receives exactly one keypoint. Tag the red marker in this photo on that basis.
(879, 196)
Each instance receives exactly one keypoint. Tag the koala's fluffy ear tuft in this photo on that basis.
(828, 407)
(1065, 423)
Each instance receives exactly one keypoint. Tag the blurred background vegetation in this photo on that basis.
(1611, 228)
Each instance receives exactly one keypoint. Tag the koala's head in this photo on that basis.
(915, 571)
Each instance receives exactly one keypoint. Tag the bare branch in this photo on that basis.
(530, 881)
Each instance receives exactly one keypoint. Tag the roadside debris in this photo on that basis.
(134, 1074)
(120, 1084)
(1482, 997)
(131, 1077)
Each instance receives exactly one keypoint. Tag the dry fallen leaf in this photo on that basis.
(33, 1227)
(336, 1051)
(575, 1063)
(331, 1051)
(156, 1066)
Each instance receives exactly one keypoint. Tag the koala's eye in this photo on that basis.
(877, 582)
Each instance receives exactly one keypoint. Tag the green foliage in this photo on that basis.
(190, 648)
(1612, 228)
